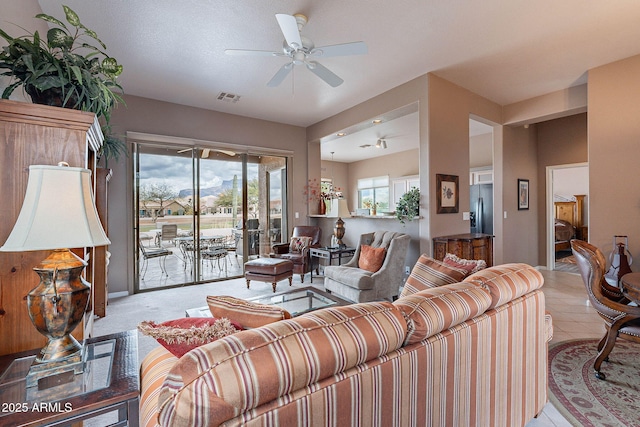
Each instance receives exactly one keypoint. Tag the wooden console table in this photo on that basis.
(467, 246)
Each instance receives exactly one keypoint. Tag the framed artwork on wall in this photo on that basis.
(447, 196)
(523, 194)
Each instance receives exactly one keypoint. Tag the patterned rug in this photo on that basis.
(585, 400)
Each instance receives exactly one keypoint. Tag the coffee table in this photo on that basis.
(109, 383)
(295, 301)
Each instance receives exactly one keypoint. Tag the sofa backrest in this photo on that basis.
(507, 281)
(242, 371)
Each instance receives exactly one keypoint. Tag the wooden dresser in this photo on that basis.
(467, 246)
(33, 134)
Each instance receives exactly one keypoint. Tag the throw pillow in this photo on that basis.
(471, 265)
(299, 244)
(246, 313)
(371, 258)
(430, 273)
(180, 336)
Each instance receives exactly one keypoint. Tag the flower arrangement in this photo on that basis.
(318, 190)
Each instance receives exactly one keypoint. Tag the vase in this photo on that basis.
(322, 207)
(53, 97)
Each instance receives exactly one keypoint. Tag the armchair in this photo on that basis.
(621, 320)
(353, 282)
(301, 260)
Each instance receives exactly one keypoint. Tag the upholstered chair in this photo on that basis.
(297, 251)
(621, 320)
(355, 282)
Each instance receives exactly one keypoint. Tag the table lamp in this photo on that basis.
(340, 209)
(58, 213)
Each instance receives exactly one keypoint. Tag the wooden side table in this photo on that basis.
(110, 382)
(630, 284)
(467, 246)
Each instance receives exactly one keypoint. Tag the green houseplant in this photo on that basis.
(64, 70)
(408, 207)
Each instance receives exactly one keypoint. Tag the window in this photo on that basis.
(374, 191)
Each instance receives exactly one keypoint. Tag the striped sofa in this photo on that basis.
(466, 354)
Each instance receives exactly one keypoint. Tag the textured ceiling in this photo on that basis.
(506, 51)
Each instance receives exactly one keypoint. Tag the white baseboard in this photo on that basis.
(118, 294)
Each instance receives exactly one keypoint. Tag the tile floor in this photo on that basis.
(566, 299)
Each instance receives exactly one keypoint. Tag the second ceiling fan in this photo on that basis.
(302, 50)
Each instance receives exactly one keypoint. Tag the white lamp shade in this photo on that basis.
(58, 212)
(340, 208)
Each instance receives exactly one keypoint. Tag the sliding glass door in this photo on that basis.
(203, 212)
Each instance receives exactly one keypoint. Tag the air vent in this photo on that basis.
(228, 97)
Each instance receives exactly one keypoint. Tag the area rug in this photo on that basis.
(570, 259)
(585, 400)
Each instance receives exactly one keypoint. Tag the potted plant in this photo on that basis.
(65, 70)
(408, 207)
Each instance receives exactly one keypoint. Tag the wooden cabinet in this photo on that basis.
(33, 134)
(467, 246)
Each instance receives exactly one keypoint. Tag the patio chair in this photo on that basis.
(168, 233)
(150, 253)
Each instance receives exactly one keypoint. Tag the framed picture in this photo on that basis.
(523, 194)
(447, 193)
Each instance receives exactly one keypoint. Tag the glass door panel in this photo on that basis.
(203, 212)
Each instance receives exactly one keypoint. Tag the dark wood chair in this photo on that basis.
(621, 320)
(301, 261)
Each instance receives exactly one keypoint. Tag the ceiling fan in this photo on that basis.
(380, 143)
(302, 50)
(206, 151)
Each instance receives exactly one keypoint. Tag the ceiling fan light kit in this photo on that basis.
(299, 49)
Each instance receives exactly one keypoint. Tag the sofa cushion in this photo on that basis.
(299, 244)
(252, 367)
(430, 273)
(433, 310)
(507, 281)
(350, 276)
(470, 265)
(371, 259)
(246, 313)
(180, 336)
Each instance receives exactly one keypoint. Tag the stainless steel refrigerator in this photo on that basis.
(481, 217)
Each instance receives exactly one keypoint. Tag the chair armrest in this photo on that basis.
(280, 248)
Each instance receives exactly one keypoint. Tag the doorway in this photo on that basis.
(202, 212)
(480, 177)
(567, 212)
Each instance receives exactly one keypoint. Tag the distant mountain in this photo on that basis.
(210, 191)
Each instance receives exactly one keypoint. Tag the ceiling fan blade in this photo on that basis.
(289, 27)
(244, 52)
(185, 150)
(280, 75)
(227, 152)
(344, 49)
(205, 153)
(324, 73)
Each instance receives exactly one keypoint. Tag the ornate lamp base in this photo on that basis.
(338, 231)
(56, 306)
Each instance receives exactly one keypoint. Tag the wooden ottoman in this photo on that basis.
(270, 270)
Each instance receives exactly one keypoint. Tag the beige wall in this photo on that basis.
(450, 107)
(163, 118)
(520, 243)
(560, 142)
(481, 151)
(614, 154)
(394, 166)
